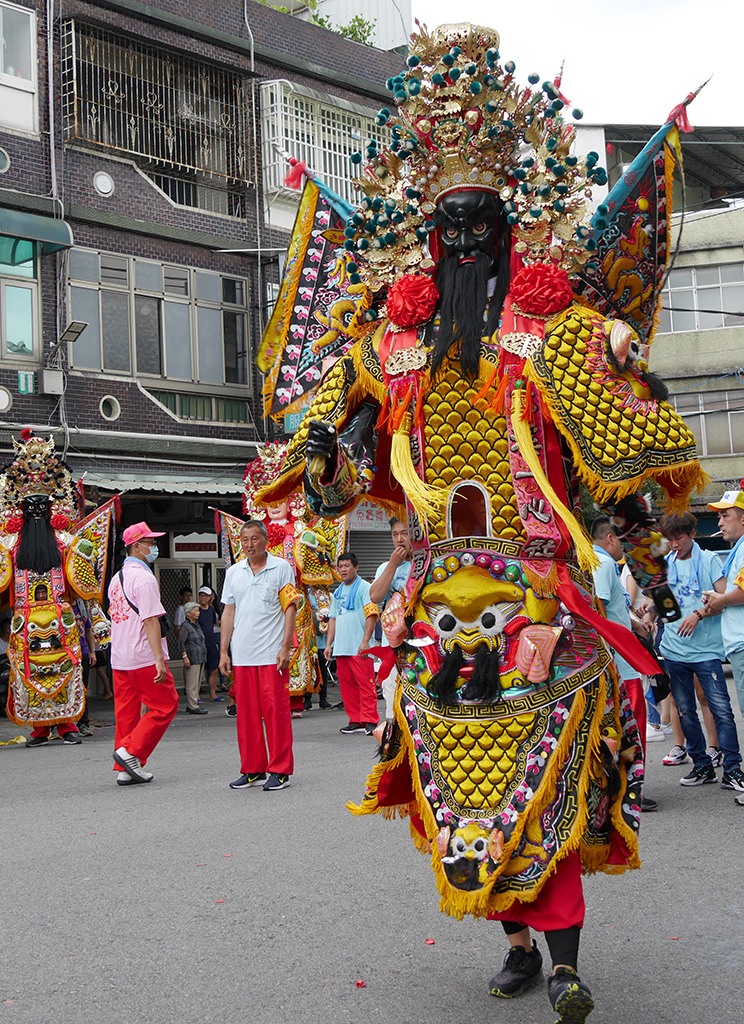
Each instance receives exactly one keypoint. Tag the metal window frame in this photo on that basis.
(698, 292)
(324, 147)
(169, 381)
(32, 285)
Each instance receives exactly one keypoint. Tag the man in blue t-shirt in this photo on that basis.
(351, 624)
(692, 646)
(391, 578)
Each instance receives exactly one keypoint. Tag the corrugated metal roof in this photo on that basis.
(162, 482)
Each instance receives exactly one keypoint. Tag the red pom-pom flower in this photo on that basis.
(541, 289)
(60, 521)
(13, 524)
(412, 301)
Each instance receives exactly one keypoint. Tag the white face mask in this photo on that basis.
(153, 553)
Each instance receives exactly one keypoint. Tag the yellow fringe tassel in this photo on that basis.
(428, 501)
(584, 550)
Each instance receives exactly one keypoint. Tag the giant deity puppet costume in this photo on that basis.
(508, 367)
(50, 555)
(310, 544)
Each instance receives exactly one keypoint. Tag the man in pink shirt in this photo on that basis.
(138, 658)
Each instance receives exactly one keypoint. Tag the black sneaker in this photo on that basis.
(72, 737)
(647, 804)
(569, 996)
(246, 781)
(733, 779)
(353, 727)
(276, 781)
(701, 775)
(36, 741)
(84, 730)
(521, 970)
(369, 727)
(232, 710)
(196, 711)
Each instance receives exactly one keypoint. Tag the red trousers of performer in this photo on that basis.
(560, 903)
(44, 730)
(634, 689)
(356, 678)
(139, 733)
(262, 697)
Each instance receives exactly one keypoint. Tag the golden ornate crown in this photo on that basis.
(462, 121)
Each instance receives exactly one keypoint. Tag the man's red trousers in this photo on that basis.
(356, 678)
(139, 733)
(262, 698)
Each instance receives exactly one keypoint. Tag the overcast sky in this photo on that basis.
(626, 61)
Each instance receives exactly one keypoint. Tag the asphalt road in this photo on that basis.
(184, 902)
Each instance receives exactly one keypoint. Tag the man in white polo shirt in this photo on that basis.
(260, 602)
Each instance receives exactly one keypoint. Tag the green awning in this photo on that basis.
(18, 228)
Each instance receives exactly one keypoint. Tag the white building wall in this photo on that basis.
(393, 18)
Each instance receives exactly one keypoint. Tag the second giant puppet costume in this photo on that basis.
(311, 546)
(500, 375)
(49, 556)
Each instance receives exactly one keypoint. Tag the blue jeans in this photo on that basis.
(713, 682)
(736, 659)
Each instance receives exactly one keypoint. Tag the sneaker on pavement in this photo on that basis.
(36, 741)
(733, 779)
(654, 734)
(677, 755)
(246, 781)
(701, 775)
(739, 800)
(276, 781)
(647, 804)
(667, 727)
(122, 779)
(296, 714)
(84, 730)
(131, 765)
(716, 756)
(369, 727)
(71, 737)
(569, 996)
(521, 970)
(232, 710)
(353, 727)
(196, 711)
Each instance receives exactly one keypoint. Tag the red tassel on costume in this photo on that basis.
(498, 402)
(26, 434)
(294, 178)
(489, 384)
(528, 409)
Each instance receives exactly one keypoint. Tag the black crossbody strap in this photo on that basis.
(121, 581)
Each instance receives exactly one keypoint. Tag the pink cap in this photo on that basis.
(139, 531)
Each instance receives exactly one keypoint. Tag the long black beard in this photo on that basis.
(484, 684)
(38, 550)
(463, 291)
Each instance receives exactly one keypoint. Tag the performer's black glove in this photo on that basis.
(321, 440)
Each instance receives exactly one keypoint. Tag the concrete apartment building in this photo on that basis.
(140, 194)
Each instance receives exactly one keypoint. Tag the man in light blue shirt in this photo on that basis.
(391, 578)
(351, 623)
(692, 646)
(611, 596)
(730, 605)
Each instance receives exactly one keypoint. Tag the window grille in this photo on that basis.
(321, 134)
(173, 113)
(203, 407)
(703, 298)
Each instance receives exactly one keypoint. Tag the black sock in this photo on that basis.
(563, 944)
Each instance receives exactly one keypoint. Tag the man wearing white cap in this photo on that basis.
(730, 605)
(138, 658)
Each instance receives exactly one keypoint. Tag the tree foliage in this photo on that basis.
(361, 30)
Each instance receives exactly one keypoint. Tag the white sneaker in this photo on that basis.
(654, 734)
(716, 756)
(667, 727)
(131, 765)
(122, 779)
